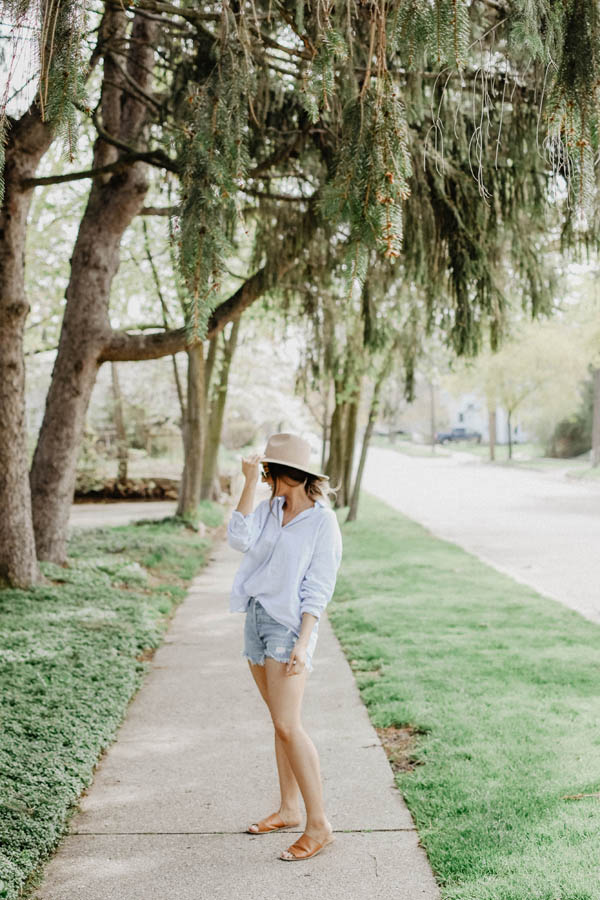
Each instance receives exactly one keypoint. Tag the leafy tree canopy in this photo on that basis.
(427, 132)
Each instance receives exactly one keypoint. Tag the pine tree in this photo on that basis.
(423, 135)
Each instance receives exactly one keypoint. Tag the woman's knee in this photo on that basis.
(286, 729)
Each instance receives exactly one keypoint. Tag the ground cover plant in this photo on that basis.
(73, 652)
(502, 687)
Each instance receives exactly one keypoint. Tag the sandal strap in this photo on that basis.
(305, 844)
(270, 823)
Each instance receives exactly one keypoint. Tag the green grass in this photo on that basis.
(504, 687)
(521, 452)
(402, 445)
(73, 652)
(586, 473)
(526, 455)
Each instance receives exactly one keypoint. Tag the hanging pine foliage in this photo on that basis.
(372, 172)
(430, 131)
(212, 152)
(52, 33)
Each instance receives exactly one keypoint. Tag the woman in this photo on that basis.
(292, 549)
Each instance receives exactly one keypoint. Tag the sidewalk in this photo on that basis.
(193, 764)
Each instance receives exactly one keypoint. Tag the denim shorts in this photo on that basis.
(264, 636)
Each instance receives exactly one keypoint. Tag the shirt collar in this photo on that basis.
(281, 498)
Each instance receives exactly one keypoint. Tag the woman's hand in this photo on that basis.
(299, 655)
(250, 467)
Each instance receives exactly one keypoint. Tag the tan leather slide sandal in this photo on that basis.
(274, 822)
(305, 847)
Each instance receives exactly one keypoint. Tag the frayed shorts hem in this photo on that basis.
(264, 636)
(308, 667)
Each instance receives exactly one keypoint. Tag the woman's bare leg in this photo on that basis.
(290, 794)
(285, 693)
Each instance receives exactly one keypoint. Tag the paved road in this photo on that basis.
(92, 515)
(194, 763)
(537, 526)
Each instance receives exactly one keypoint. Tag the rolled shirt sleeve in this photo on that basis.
(318, 584)
(242, 531)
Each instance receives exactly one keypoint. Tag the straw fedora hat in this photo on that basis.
(290, 450)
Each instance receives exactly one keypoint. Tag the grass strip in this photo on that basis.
(73, 652)
(502, 686)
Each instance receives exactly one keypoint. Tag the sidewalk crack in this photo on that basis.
(289, 831)
(376, 870)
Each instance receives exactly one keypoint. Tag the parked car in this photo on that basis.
(457, 434)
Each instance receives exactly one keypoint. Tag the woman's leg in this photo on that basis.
(285, 694)
(290, 795)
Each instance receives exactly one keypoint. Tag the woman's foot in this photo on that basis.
(319, 836)
(276, 821)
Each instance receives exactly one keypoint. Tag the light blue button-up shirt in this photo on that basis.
(290, 569)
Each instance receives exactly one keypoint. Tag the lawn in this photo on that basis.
(526, 455)
(586, 473)
(502, 686)
(73, 652)
(408, 447)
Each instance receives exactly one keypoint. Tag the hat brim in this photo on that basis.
(284, 462)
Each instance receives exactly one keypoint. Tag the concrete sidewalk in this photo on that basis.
(193, 764)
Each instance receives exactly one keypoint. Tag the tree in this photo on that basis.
(537, 373)
(596, 420)
(112, 203)
(23, 142)
(119, 419)
(217, 412)
(381, 375)
(321, 110)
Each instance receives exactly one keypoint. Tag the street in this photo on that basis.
(536, 526)
(96, 515)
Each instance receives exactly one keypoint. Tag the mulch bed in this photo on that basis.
(399, 746)
(131, 489)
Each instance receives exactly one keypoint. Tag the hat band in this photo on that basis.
(301, 467)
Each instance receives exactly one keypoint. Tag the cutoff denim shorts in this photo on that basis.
(264, 636)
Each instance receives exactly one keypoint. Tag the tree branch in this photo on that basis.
(121, 346)
(190, 15)
(269, 196)
(154, 157)
(280, 155)
(117, 166)
(159, 210)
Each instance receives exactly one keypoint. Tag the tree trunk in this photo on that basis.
(165, 318)
(215, 422)
(432, 414)
(328, 344)
(27, 141)
(350, 442)
(596, 420)
(373, 410)
(334, 468)
(113, 202)
(373, 413)
(492, 431)
(209, 365)
(509, 435)
(194, 435)
(325, 430)
(122, 450)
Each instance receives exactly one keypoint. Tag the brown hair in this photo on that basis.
(316, 488)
